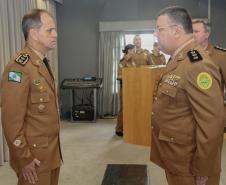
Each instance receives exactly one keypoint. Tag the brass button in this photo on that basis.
(152, 113)
(41, 99)
(167, 91)
(172, 139)
(156, 98)
(34, 145)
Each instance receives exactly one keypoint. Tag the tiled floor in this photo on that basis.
(89, 147)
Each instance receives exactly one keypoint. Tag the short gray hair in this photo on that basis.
(205, 23)
(179, 15)
(32, 19)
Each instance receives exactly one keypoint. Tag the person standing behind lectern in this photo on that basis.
(126, 61)
(188, 110)
(30, 116)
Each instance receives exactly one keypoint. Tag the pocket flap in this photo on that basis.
(169, 90)
(37, 141)
(174, 137)
(39, 97)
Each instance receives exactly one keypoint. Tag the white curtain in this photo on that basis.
(11, 41)
(110, 49)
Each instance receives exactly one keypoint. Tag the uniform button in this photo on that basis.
(152, 113)
(167, 91)
(160, 84)
(152, 127)
(171, 139)
(41, 99)
(34, 145)
(156, 98)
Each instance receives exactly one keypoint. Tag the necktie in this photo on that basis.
(45, 60)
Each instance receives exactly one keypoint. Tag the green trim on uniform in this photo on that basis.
(14, 76)
(22, 59)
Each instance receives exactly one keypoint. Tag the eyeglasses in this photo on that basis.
(159, 29)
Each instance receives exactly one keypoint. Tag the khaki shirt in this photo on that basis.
(187, 117)
(126, 61)
(218, 56)
(142, 57)
(30, 116)
(158, 59)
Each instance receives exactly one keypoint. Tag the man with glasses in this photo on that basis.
(188, 110)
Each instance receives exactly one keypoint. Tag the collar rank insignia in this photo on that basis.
(172, 80)
(194, 56)
(22, 59)
(222, 49)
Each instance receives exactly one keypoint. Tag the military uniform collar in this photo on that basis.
(35, 59)
(140, 50)
(180, 53)
(209, 49)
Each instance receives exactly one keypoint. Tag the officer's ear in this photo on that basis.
(178, 29)
(33, 34)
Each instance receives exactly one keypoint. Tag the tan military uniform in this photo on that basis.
(142, 57)
(30, 114)
(158, 59)
(187, 118)
(218, 56)
(126, 61)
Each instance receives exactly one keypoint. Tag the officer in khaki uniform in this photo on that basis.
(188, 110)
(201, 32)
(157, 58)
(142, 56)
(126, 61)
(30, 114)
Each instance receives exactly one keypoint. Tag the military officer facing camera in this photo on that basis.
(188, 110)
(30, 114)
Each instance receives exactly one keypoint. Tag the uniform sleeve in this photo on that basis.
(207, 107)
(15, 90)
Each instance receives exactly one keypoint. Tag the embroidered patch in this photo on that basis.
(194, 56)
(172, 80)
(37, 82)
(15, 76)
(204, 80)
(22, 59)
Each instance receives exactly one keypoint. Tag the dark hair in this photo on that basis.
(32, 19)
(127, 47)
(179, 15)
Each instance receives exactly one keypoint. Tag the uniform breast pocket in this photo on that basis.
(168, 93)
(40, 103)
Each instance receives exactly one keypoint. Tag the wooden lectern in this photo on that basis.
(137, 92)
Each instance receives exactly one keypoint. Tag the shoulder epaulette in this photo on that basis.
(220, 48)
(22, 59)
(194, 56)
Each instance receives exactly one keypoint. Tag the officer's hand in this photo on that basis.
(201, 180)
(29, 171)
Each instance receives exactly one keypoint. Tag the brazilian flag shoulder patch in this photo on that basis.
(204, 80)
(15, 76)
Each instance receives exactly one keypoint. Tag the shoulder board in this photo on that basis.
(219, 48)
(22, 59)
(194, 56)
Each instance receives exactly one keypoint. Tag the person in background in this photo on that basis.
(201, 32)
(142, 56)
(126, 61)
(30, 116)
(188, 110)
(157, 58)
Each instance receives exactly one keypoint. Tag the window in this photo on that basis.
(147, 41)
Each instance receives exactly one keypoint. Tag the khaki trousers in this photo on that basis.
(190, 180)
(47, 178)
